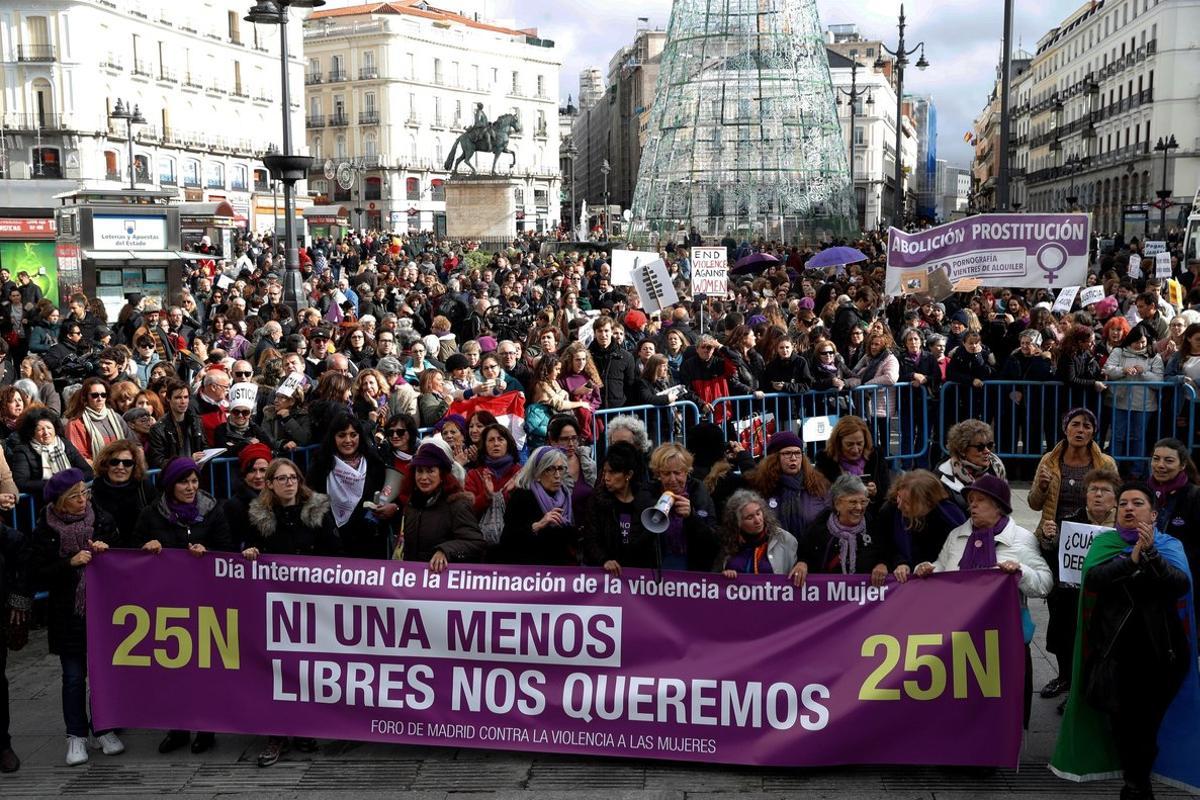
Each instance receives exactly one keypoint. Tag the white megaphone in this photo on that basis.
(657, 518)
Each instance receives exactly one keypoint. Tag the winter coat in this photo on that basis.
(362, 536)
(782, 553)
(1134, 398)
(478, 489)
(1014, 543)
(603, 537)
(210, 529)
(444, 523)
(1179, 516)
(233, 441)
(124, 504)
(67, 631)
(793, 373)
(300, 530)
(27, 464)
(618, 371)
(700, 528)
(42, 336)
(822, 553)
(15, 552)
(925, 365)
(914, 547)
(1047, 501)
(884, 374)
(295, 427)
(167, 441)
(876, 466)
(521, 544)
(78, 434)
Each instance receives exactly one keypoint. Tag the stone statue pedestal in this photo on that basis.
(482, 208)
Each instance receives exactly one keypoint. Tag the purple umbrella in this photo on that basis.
(835, 257)
(755, 262)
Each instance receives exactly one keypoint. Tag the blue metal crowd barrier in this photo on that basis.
(669, 423)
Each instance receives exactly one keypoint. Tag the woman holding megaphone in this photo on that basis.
(688, 528)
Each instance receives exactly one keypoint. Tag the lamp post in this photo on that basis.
(1164, 146)
(901, 55)
(572, 154)
(853, 94)
(605, 168)
(1002, 176)
(286, 167)
(1073, 166)
(131, 116)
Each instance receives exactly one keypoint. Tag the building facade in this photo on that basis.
(206, 83)
(1107, 84)
(591, 87)
(389, 87)
(924, 118)
(873, 135)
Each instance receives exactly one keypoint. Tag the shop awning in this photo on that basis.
(142, 255)
(327, 215)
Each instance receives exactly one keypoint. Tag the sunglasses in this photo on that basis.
(396, 433)
(121, 462)
(825, 353)
(239, 412)
(242, 374)
(984, 446)
(97, 395)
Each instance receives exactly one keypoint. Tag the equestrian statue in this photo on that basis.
(484, 137)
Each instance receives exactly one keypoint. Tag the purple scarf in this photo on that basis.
(1130, 535)
(980, 552)
(1164, 490)
(853, 467)
(847, 541)
(183, 513)
(560, 500)
(674, 540)
(498, 466)
(74, 534)
(751, 557)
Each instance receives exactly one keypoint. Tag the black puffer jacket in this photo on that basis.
(699, 528)
(125, 504)
(67, 631)
(604, 539)
(210, 529)
(26, 464)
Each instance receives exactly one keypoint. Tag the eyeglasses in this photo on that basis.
(569, 439)
(508, 353)
(285, 479)
(97, 395)
(983, 446)
(791, 453)
(121, 462)
(1100, 490)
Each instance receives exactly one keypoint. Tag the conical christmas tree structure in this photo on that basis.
(744, 138)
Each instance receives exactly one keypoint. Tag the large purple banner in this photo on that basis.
(1013, 250)
(674, 666)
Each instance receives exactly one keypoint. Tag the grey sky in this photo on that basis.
(962, 40)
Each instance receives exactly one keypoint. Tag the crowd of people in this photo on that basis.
(359, 426)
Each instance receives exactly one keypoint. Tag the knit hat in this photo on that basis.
(134, 414)
(784, 439)
(457, 361)
(995, 488)
(486, 344)
(251, 453)
(757, 319)
(61, 482)
(960, 317)
(176, 470)
(457, 419)
(430, 455)
(635, 320)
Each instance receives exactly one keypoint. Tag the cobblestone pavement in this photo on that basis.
(364, 771)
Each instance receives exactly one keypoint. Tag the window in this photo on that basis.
(238, 175)
(191, 172)
(437, 71)
(369, 102)
(214, 175)
(437, 190)
(412, 189)
(369, 61)
(859, 135)
(411, 62)
(516, 83)
(166, 171)
(373, 188)
(339, 146)
(235, 33)
(112, 165)
(541, 85)
(141, 167)
(369, 147)
(314, 67)
(335, 68)
(314, 107)
(262, 180)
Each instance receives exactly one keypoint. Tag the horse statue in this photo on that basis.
(476, 141)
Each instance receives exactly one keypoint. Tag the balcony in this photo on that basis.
(214, 183)
(111, 62)
(237, 186)
(413, 121)
(191, 182)
(337, 76)
(368, 117)
(262, 186)
(311, 78)
(368, 74)
(35, 122)
(314, 121)
(190, 82)
(242, 92)
(112, 175)
(143, 69)
(36, 53)
(339, 120)
(168, 76)
(216, 88)
(263, 96)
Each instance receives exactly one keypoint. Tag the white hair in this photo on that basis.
(635, 426)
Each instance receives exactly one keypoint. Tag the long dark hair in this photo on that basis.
(323, 461)
(511, 443)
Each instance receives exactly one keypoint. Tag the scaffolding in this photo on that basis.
(743, 140)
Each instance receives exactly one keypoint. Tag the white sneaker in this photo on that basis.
(76, 751)
(111, 744)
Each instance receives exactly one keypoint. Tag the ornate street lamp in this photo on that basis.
(131, 116)
(1164, 146)
(901, 55)
(853, 94)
